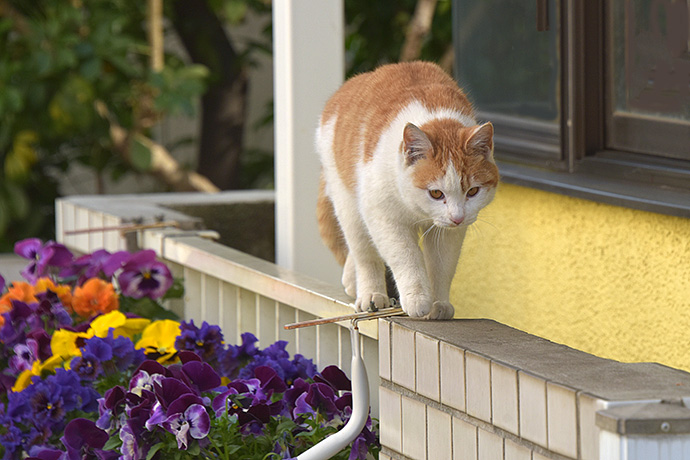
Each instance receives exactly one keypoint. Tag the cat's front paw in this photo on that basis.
(416, 305)
(372, 302)
(441, 310)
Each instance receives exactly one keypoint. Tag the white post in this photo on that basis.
(308, 56)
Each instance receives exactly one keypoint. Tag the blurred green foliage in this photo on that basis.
(375, 32)
(59, 59)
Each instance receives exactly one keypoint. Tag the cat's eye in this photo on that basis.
(472, 192)
(436, 194)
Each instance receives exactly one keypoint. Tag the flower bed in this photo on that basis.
(95, 367)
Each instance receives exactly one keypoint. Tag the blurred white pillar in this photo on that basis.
(308, 56)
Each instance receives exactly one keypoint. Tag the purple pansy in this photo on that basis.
(201, 375)
(44, 404)
(2, 284)
(98, 264)
(185, 415)
(13, 331)
(184, 420)
(335, 377)
(278, 358)
(42, 256)
(51, 311)
(143, 381)
(111, 407)
(84, 440)
(24, 356)
(319, 397)
(114, 262)
(206, 341)
(237, 356)
(43, 342)
(45, 453)
(12, 441)
(131, 448)
(143, 276)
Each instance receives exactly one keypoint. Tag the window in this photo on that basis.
(649, 84)
(587, 98)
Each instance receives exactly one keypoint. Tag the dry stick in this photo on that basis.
(397, 311)
(127, 228)
(163, 165)
(448, 59)
(418, 29)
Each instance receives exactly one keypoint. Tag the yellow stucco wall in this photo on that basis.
(607, 280)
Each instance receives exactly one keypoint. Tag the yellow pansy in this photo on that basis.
(132, 327)
(63, 343)
(37, 369)
(158, 339)
(121, 325)
(24, 379)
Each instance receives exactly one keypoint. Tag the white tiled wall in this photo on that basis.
(438, 401)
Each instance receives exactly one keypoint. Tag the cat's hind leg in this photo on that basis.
(364, 272)
(364, 262)
(349, 279)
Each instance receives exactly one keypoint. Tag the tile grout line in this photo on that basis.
(578, 442)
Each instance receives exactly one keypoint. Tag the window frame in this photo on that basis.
(584, 167)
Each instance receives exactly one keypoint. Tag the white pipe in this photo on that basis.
(360, 409)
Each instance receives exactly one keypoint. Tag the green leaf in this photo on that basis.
(91, 69)
(176, 291)
(194, 449)
(139, 155)
(235, 11)
(146, 308)
(71, 108)
(155, 448)
(232, 449)
(113, 443)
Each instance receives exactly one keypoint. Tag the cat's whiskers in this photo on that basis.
(428, 230)
(420, 221)
(476, 231)
(439, 233)
(490, 224)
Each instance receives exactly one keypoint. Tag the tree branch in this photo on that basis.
(418, 29)
(163, 165)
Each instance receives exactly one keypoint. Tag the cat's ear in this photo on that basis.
(481, 141)
(415, 144)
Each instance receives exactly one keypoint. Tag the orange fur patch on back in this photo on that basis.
(367, 104)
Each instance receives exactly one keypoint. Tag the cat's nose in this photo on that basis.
(457, 220)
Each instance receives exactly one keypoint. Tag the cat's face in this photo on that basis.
(451, 169)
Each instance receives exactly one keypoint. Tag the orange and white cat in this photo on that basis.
(402, 155)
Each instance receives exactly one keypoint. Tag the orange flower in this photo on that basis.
(64, 292)
(94, 296)
(19, 290)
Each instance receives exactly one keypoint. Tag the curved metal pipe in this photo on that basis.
(360, 408)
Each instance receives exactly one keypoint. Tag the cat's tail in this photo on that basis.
(329, 227)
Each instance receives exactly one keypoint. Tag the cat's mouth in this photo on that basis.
(449, 223)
